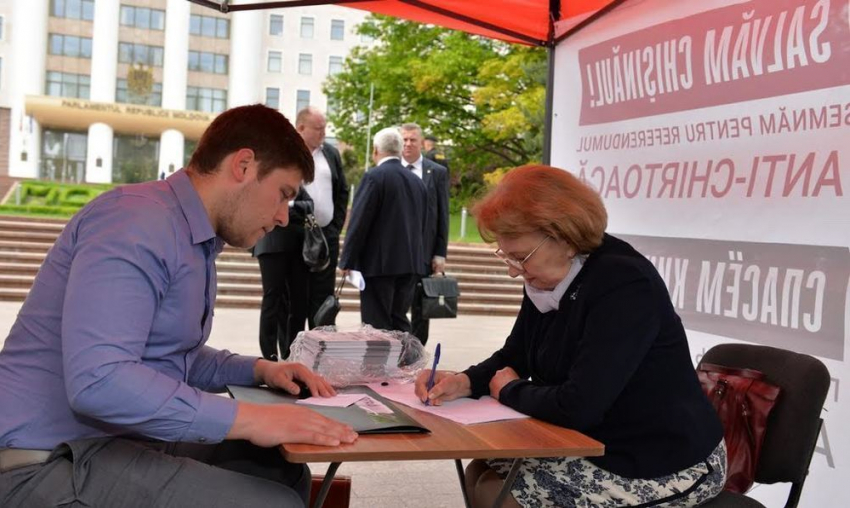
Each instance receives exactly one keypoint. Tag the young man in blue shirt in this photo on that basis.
(105, 379)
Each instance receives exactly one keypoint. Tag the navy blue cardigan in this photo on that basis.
(613, 363)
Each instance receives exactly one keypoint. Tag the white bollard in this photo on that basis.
(18, 194)
(463, 214)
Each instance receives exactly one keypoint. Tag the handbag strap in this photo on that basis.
(310, 221)
(745, 373)
(339, 288)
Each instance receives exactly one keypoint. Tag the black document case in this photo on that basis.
(361, 420)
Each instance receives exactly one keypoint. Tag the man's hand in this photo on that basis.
(438, 264)
(447, 386)
(500, 379)
(283, 375)
(270, 425)
(345, 273)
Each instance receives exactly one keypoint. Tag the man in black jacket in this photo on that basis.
(329, 191)
(435, 238)
(285, 281)
(384, 238)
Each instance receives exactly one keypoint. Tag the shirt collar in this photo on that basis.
(416, 164)
(193, 208)
(385, 159)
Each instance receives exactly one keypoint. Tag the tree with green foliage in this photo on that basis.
(484, 99)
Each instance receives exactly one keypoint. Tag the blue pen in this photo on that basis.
(433, 372)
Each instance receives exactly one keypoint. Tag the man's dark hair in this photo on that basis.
(431, 137)
(275, 142)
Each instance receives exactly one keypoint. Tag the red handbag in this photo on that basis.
(743, 399)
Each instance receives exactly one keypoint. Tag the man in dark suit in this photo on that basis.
(284, 274)
(436, 233)
(384, 238)
(329, 191)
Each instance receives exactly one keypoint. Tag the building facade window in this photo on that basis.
(275, 61)
(305, 64)
(63, 84)
(70, 45)
(202, 61)
(142, 17)
(63, 156)
(307, 28)
(134, 159)
(208, 26)
(334, 65)
(72, 9)
(208, 100)
(275, 24)
(366, 38)
(126, 96)
(140, 54)
(302, 100)
(337, 29)
(273, 98)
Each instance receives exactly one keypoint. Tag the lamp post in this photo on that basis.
(369, 125)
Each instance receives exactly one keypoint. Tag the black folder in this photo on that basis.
(361, 420)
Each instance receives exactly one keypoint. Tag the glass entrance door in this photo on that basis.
(63, 156)
(134, 159)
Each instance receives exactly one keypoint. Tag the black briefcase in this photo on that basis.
(439, 297)
(326, 313)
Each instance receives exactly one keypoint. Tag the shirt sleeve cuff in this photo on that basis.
(476, 383)
(240, 370)
(213, 420)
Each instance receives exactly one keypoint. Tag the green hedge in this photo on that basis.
(52, 199)
(53, 211)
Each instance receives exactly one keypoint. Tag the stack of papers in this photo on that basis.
(330, 354)
(464, 410)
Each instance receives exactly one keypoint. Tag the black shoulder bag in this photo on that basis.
(317, 255)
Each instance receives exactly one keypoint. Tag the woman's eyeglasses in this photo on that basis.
(515, 263)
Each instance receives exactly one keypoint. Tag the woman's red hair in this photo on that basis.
(546, 199)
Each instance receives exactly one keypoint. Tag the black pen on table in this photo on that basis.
(430, 383)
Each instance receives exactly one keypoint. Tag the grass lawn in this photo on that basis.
(472, 235)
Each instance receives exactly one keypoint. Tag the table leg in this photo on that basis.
(509, 481)
(326, 485)
(459, 466)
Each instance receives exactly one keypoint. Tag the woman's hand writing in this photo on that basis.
(447, 386)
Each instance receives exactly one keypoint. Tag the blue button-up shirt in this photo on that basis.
(111, 339)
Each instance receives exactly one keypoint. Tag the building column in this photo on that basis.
(246, 53)
(28, 26)
(175, 75)
(171, 146)
(99, 153)
(175, 65)
(104, 71)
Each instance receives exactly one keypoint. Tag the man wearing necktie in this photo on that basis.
(436, 232)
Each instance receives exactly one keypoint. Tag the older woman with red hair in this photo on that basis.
(596, 347)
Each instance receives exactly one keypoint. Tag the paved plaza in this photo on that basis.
(465, 340)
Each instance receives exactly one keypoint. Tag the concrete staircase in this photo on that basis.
(485, 286)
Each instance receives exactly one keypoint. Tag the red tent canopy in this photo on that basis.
(520, 21)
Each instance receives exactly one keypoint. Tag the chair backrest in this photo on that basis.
(794, 424)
